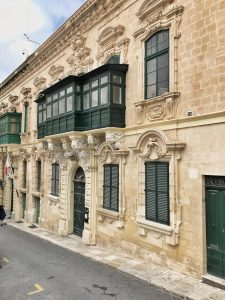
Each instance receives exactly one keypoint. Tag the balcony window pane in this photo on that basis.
(62, 93)
(55, 109)
(117, 79)
(69, 90)
(78, 88)
(13, 128)
(40, 117)
(94, 84)
(104, 95)
(86, 87)
(117, 95)
(78, 102)
(44, 115)
(104, 79)
(69, 103)
(62, 105)
(94, 96)
(55, 96)
(49, 111)
(49, 99)
(86, 101)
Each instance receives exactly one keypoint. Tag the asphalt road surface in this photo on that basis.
(32, 268)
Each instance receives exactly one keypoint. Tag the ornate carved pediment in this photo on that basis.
(39, 83)
(148, 8)
(155, 144)
(110, 34)
(13, 101)
(27, 95)
(56, 72)
(79, 60)
(112, 41)
(158, 108)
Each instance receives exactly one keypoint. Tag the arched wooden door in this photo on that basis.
(79, 202)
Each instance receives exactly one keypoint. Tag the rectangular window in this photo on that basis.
(111, 187)
(55, 180)
(117, 95)
(62, 105)
(86, 103)
(49, 111)
(157, 64)
(104, 95)
(55, 109)
(69, 103)
(24, 174)
(94, 98)
(25, 117)
(38, 175)
(157, 192)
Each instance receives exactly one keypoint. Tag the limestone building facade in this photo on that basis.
(115, 128)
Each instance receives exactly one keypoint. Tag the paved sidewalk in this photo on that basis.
(181, 285)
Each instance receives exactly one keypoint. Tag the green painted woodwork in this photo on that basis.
(10, 128)
(215, 231)
(111, 187)
(37, 209)
(78, 103)
(23, 204)
(25, 117)
(55, 180)
(79, 202)
(157, 191)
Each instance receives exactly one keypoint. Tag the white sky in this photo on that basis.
(38, 19)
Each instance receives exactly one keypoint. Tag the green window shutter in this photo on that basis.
(25, 117)
(55, 180)
(157, 191)
(111, 187)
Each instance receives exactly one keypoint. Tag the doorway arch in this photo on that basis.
(79, 202)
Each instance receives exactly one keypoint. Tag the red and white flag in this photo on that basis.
(8, 171)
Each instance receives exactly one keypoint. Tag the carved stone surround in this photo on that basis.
(156, 145)
(156, 15)
(159, 108)
(111, 151)
(112, 41)
(80, 60)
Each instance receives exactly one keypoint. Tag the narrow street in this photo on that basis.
(31, 268)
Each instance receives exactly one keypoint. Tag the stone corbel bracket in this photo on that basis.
(56, 72)
(27, 95)
(40, 84)
(13, 100)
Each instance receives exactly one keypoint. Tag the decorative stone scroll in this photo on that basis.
(40, 84)
(13, 100)
(79, 60)
(56, 72)
(27, 95)
(3, 107)
(158, 108)
(151, 146)
(112, 42)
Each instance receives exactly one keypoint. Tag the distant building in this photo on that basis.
(115, 128)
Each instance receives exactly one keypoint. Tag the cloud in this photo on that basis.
(38, 19)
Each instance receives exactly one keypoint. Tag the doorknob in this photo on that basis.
(223, 230)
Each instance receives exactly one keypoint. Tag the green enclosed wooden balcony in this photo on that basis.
(78, 103)
(10, 128)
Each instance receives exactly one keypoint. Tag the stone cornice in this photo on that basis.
(89, 14)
